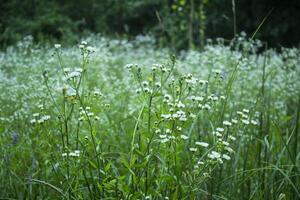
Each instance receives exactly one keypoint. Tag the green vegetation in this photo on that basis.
(119, 119)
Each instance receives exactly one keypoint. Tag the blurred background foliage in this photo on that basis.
(175, 23)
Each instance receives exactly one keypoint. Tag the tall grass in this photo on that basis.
(124, 120)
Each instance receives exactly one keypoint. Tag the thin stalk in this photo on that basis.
(295, 147)
(261, 125)
(65, 121)
(234, 17)
(148, 148)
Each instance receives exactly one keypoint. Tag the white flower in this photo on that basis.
(72, 154)
(138, 91)
(218, 134)
(80, 70)
(77, 152)
(214, 155)
(40, 121)
(90, 114)
(193, 98)
(73, 74)
(184, 137)
(193, 116)
(220, 129)
(33, 121)
(91, 49)
(254, 122)
(158, 65)
(171, 137)
(225, 143)
(70, 92)
(230, 150)
(36, 114)
(41, 106)
(199, 98)
(147, 90)
(220, 160)
(200, 163)
(244, 116)
(57, 46)
(245, 110)
(97, 93)
(145, 83)
(162, 136)
(191, 81)
(215, 98)
(202, 82)
(245, 121)
(234, 121)
(67, 70)
(193, 149)
(164, 140)
(226, 157)
(206, 106)
(180, 105)
(164, 70)
(153, 68)
(129, 66)
(157, 131)
(166, 116)
(231, 137)
(168, 131)
(239, 113)
(217, 71)
(167, 97)
(227, 123)
(203, 144)
(46, 117)
(182, 119)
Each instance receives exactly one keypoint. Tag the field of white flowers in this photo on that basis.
(117, 119)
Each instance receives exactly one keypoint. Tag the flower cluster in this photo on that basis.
(75, 153)
(39, 119)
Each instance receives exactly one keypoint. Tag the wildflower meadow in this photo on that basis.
(123, 119)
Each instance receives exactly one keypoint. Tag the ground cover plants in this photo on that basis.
(117, 119)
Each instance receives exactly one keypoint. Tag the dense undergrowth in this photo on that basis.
(112, 119)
